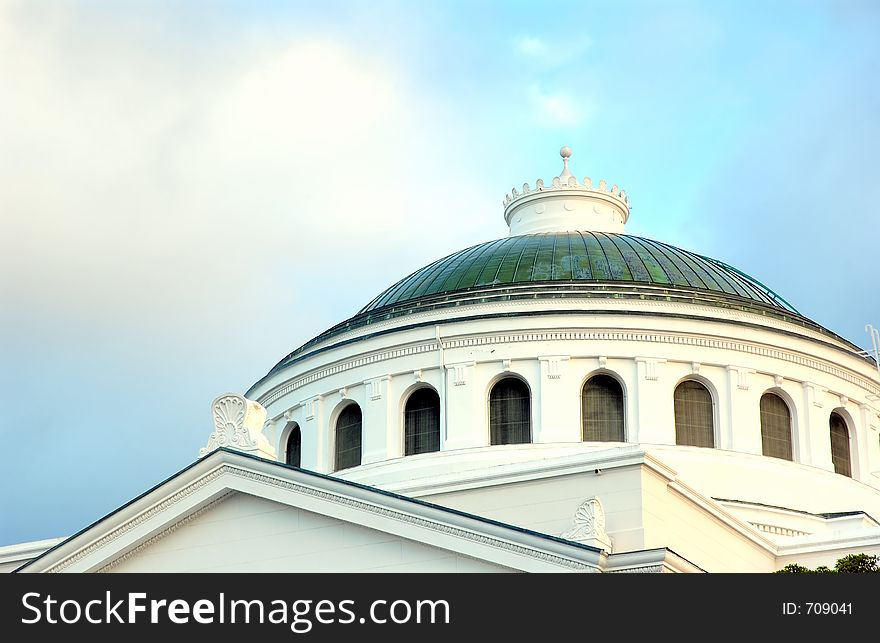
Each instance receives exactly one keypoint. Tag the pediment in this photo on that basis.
(235, 512)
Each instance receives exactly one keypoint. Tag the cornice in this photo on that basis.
(647, 569)
(342, 500)
(418, 521)
(868, 538)
(340, 366)
(525, 470)
(165, 532)
(480, 307)
(21, 552)
(652, 561)
(744, 529)
(137, 520)
(586, 304)
(570, 334)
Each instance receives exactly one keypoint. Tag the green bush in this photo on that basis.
(857, 564)
(794, 568)
(850, 564)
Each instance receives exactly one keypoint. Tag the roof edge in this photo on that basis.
(578, 553)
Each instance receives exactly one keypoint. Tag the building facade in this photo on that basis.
(591, 400)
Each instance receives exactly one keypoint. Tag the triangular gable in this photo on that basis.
(246, 533)
(202, 488)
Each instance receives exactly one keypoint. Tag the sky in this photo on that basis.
(189, 191)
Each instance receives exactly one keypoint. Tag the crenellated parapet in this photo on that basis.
(566, 205)
(571, 184)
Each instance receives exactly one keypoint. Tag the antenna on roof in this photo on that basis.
(874, 334)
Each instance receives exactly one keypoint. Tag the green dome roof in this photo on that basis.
(574, 258)
(565, 265)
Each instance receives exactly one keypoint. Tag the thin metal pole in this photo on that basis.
(874, 334)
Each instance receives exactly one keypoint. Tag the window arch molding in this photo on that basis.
(405, 398)
(333, 430)
(623, 389)
(713, 395)
(500, 377)
(604, 371)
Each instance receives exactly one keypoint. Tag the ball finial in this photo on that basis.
(565, 152)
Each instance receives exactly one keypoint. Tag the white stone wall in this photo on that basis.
(642, 509)
(672, 519)
(251, 534)
(555, 346)
(548, 505)
(738, 356)
(694, 501)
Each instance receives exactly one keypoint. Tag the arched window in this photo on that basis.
(348, 437)
(294, 445)
(840, 445)
(775, 427)
(421, 422)
(694, 415)
(602, 410)
(510, 412)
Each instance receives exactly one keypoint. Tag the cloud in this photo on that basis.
(152, 187)
(557, 109)
(183, 204)
(531, 46)
(554, 108)
(562, 50)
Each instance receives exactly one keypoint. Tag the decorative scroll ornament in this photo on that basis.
(238, 424)
(589, 525)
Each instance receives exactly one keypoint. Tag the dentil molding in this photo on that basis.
(648, 337)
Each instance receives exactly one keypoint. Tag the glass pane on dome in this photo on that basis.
(492, 265)
(562, 260)
(543, 266)
(636, 266)
(652, 265)
(616, 263)
(527, 259)
(598, 261)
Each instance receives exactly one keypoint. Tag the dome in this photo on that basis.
(560, 265)
(567, 241)
(611, 265)
(532, 376)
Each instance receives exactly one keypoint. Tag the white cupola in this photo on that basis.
(566, 205)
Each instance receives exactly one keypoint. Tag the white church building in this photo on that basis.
(567, 398)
